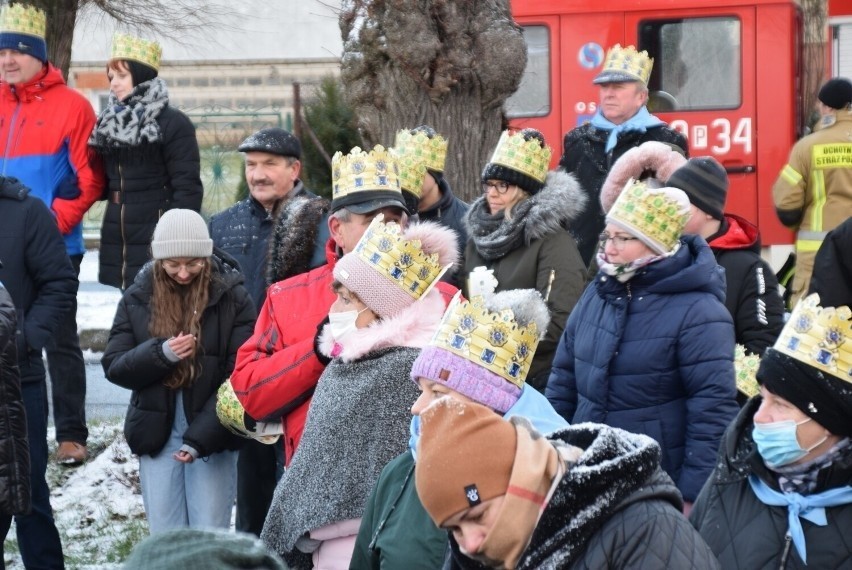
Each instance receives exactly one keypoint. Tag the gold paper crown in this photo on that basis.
(22, 19)
(433, 152)
(651, 213)
(361, 171)
(147, 52)
(745, 367)
(525, 156)
(626, 62)
(412, 172)
(403, 261)
(492, 340)
(819, 337)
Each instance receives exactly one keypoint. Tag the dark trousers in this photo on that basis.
(38, 539)
(259, 467)
(68, 376)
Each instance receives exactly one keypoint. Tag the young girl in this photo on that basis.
(174, 341)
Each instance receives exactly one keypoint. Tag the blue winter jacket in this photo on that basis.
(654, 356)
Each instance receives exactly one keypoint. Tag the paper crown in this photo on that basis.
(819, 337)
(402, 261)
(525, 156)
(493, 340)
(431, 151)
(358, 172)
(745, 367)
(22, 19)
(412, 172)
(654, 215)
(625, 64)
(147, 52)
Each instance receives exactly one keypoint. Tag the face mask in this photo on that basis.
(342, 324)
(414, 435)
(777, 444)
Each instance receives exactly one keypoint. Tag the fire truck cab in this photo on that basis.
(726, 74)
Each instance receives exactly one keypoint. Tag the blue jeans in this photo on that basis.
(68, 376)
(38, 539)
(195, 495)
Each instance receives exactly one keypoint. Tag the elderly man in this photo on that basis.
(44, 129)
(620, 123)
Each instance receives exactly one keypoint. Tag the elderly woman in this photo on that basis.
(150, 157)
(586, 496)
(395, 531)
(781, 493)
(386, 311)
(517, 229)
(649, 348)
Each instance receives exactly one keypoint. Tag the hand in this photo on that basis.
(183, 345)
(183, 457)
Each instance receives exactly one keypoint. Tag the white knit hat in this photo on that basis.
(181, 233)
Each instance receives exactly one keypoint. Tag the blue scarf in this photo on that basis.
(640, 122)
(810, 507)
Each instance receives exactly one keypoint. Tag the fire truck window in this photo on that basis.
(532, 99)
(696, 61)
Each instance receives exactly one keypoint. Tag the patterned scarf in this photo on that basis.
(624, 272)
(802, 478)
(132, 122)
(640, 122)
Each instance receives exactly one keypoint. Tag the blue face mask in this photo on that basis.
(777, 444)
(414, 435)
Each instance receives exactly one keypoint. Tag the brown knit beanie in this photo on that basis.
(465, 457)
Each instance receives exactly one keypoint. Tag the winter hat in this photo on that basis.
(705, 183)
(273, 140)
(656, 216)
(363, 182)
(390, 269)
(521, 159)
(484, 347)
(654, 157)
(464, 457)
(22, 28)
(836, 93)
(810, 364)
(129, 48)
(193, 549)
(181, 233)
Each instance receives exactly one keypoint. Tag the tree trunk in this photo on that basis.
(814, 73)
(450, 65)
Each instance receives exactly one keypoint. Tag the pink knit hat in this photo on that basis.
(391, 268)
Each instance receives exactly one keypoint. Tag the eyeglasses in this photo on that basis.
(191, 266)
(500, 186)
(618, 242)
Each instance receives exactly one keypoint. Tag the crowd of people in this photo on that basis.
(586, 367)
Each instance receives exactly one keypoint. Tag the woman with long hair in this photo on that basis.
(173, 342)
(150, 157)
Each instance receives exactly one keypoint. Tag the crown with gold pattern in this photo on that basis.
(528, 157)
(820, 337)
(431, 151)
(412, 172)
(21, 19)
(492, 340)
(625, 64)
(656, 216)
(745, 367)
(147, 52)
(362, 176)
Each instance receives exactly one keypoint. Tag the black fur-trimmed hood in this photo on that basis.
(293, 238)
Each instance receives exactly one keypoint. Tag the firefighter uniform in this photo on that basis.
(813, 193)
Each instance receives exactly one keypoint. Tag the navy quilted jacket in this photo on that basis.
(654, 356)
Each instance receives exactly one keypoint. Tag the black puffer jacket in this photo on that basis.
(832, 276)
(583, 154)
(749, 535)
(14, 451)
(142, 183)
(614, 509)
(136, 361)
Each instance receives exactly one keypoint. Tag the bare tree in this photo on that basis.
(169, 18)
(445, 63)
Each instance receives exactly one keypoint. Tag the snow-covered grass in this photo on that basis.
(97, 506)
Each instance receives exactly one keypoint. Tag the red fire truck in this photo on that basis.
(727, 73)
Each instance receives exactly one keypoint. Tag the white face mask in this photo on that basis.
(343, 323)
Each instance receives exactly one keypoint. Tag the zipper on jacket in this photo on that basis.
(9, 135)
(788, 541)
(549, 284)
(121, 227)
(629, 293)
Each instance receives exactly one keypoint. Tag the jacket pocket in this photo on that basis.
(146, 431)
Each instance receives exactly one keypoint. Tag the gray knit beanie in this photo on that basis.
(181, 233)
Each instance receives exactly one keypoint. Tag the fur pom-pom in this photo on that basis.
(660, 158)
(435, 238)
(526, 304)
